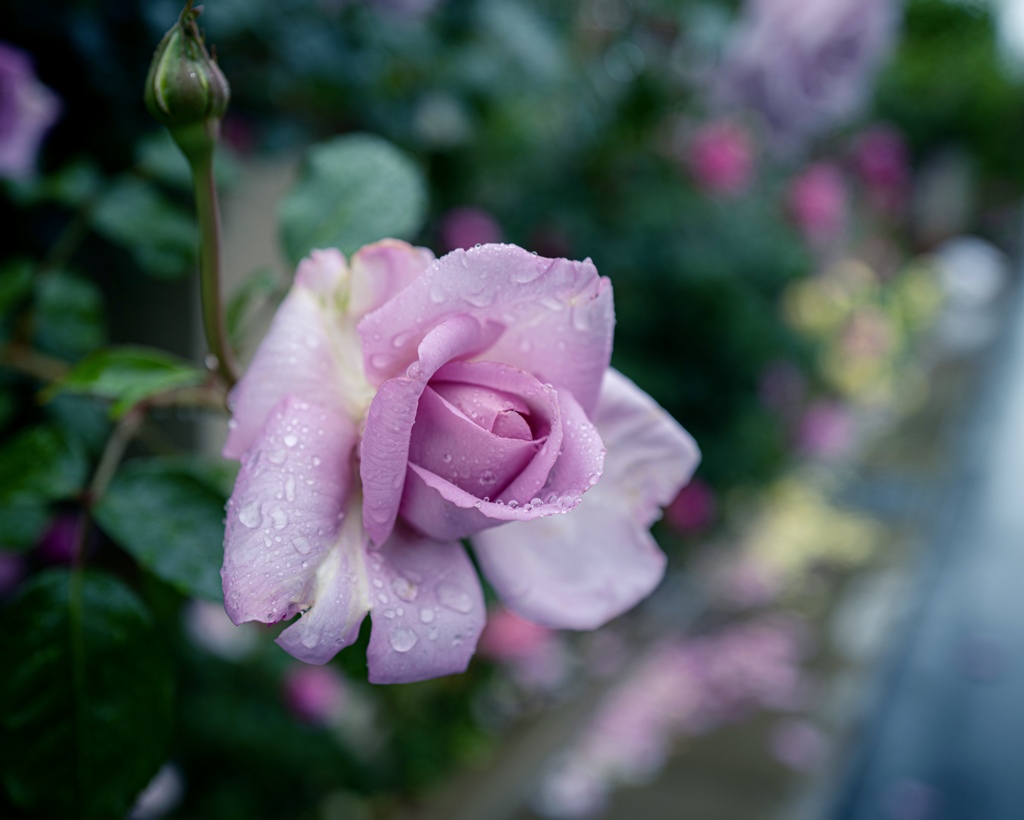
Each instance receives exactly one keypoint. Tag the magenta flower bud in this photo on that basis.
(315, 694)
(881, 159)
(817, 203)
(468, 227)
(58, 544)
(694, 508)
(721, 158)
(27, 110)
(507, 637)
(185, 90)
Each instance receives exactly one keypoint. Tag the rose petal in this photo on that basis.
(452, 446)
(295, 357)
(428, 609)
(385, 448)
(284, 512)
(558, 316)
(381, 270)
(341, 599)
(567, 465)
(578, 571)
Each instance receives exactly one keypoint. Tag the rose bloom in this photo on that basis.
(27, 110)
(399, 404)
(806, 66)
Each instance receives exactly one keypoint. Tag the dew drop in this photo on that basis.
(316, 461)
(487, 478)
(389, 613)
(289, 488)
(276, 457)
(404, 588)
(290, 440)
(447, 458)
(280, 519)
(454, 598)
(402, 640)
(426, 615)
(249, 515)
(382, 598)
(378, 583)
(302, 545)
(513, 504)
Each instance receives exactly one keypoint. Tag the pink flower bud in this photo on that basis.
(721, 159)
(694, 508)
(507, 637)
(315, 694)
(468, 227)
(817, 203)
(881, 160)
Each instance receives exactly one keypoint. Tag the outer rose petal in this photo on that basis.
(385, 448)
(558, 316)
(428, 609)
(283, 515)
(296, 357)
(340, 600)
(381, 270)
(580, 570)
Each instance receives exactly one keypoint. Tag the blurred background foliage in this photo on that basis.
(567, 128)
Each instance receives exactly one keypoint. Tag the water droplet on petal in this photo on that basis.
(402, 640)
(280, 519)
(404, 588)
(302, 545)
(426, 615)
(249, 515)
(289, 488)
(290, 440)
(454, 598)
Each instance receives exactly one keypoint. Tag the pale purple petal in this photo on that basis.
(385, 447)
(381, 270)
(284, 513)
(27, 111)
(557, 316)
(295, 357)
(428, 609)
(452, 446)
(322, 272)
(341, 599)
(582, 569)
(571, 461)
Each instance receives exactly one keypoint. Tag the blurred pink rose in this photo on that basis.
(818, 203)
(467, 227)
(721, 158)
(826, 430)
(27, 110)
(508, 637)
(399, 404)
(881, 159)
(315, 694)
(694, 509)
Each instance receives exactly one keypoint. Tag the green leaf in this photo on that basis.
(352, 190)
(22, 524)
(169, 514)
(40, 464)
(127, 375)
(85, 698)
(161, 237)
(68, 315)
(15, 284)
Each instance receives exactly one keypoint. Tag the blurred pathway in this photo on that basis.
(944, 739)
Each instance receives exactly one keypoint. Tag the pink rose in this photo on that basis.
(399, 404)
(721, 158)
(817, 203)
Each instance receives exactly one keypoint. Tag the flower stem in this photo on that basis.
(208, 214)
